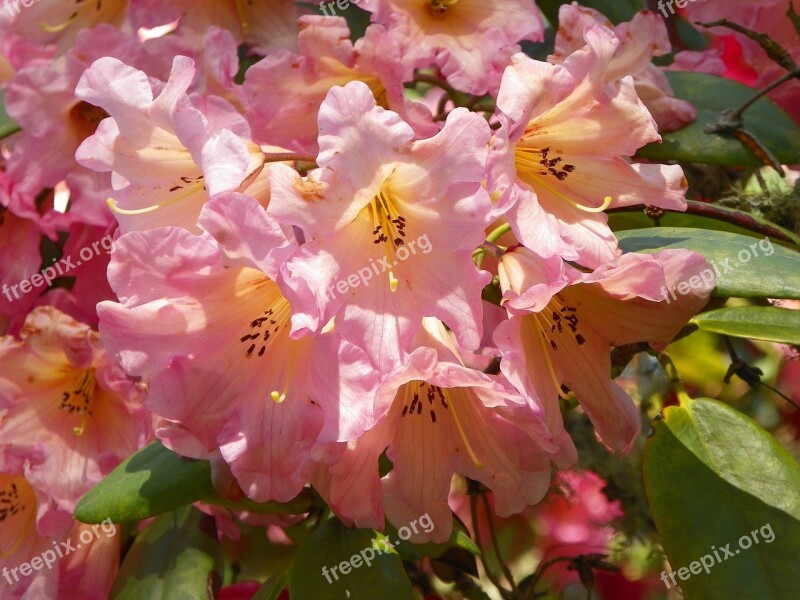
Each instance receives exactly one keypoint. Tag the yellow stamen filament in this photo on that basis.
(526, 161)
(384, 219)
(242, 14)
(281, 315)
(472, 456)
(541, 325)
(149, 209)
(59, 28)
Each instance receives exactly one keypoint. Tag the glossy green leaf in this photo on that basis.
(715, 479)
(150, 482)
(7, 125)
(768, 323)
(177, 557)
(774, 272)
(371, 569)
(711, 95)
(616, 10)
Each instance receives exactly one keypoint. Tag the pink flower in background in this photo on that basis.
(470, 41)
(284, 90)
(61, 392)
(561, 334)
(561, 152)
(414, 209)
(642, 38)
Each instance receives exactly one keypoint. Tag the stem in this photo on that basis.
(495, 544)
(672, 373)
(765, 90)
(473, 507)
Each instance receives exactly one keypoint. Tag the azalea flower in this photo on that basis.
(284, 90)
(212, 340)
(402, 219)
(560, 155)
(640, 39)
(167, 153)
(61, 391)
(469, 40)
(563, 322)
(441, 418)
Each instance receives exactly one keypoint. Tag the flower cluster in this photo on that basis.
(240, 197)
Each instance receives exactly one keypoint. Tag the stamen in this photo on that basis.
(14, 499)
(59, 28)
(149, 209)
(547, 358)
(472, 456)
(389, 230)
(240, 11)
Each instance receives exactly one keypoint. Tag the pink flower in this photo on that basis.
(442, 418)
(398, 215)
(471, 41)
(284, 90)
(644, 37)
(211, 339)
(167, 153)
(61, 392)
(563, 322)
(561, 152)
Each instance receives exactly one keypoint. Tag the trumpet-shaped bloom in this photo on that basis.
(560, 331)
(442, 418)
(560, 153)
(204, 323)
(644, 37)
(60, 391)
(167, 153)
(389, 224)
(284, 91)
(471, 41)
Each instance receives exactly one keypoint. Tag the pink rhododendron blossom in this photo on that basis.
(165, 150)
(441, 418)
(408, 212)
(60, 391)
(284, 91)
(470, 41)
(644, 37)
(560, 333)
(212, 341)
(561, 152)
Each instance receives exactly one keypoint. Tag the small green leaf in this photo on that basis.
(7, 125)
(768, 323)
(746, 267)
(372, 568)
(150, 482)
(177, 557)
(715, 479)
(711, 95)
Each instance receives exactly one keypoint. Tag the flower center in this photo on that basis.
(16, 498)
(389, 229)
(79, 400)
(538, 168)
(413, 396)
(439, 8)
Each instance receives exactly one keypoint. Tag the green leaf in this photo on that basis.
(616, 10)
(176, 558)
(332, 546)
(773, 273)
(150, 482)
(713, 477)
(7, 126)
(753, 322)
(711, 95)
(273, 587)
